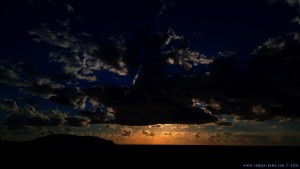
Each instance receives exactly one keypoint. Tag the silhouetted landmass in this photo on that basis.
(72, 140)
(60, 143)
(88, 151)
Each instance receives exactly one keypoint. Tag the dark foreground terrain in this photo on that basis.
(74, 151)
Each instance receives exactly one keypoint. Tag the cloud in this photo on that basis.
(8, 104)
(73, 65)
(37, 84)
(107, 55)
(44, 87)
(148, 133)
(157, 126)
(57, 38)
(180, 54)
(70, 8)
(165, 6)
(10, 77)
(110, 126)
(168, 134)
(48, 82)
(142, 107)
(48, 89)
(29, 116)
(78, 121)
(297, 20)
(188, 59)
(73, 97)
(127, 132)
(21, 67)
(294, 3)
(253, 93)
(297, 36)
(98, 115)
(114, 55)
(51, 118)
(224, 123)
(275, 44)
(266, 88)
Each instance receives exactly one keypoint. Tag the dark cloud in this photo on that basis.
(25, 68)
(78, 121)
(29, 101)
(8, 104)
(107, 55)
(155, 97)
(29, 116)
(200, 135)
(226, 134)
(224, 123)
(44, 119)
(73, 97)
(293, 3)
(147, 105)
(168, 134)
(157, 125)
(70, 8)
(149, 101)
(265, 87)
(126, 132)
(259, 91)
(297, 20)
(148, 133)
(10, 77)
(43, 87)
(98, 115)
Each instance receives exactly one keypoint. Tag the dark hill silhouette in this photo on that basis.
(72, 140)
(64, 143)
(71, 150)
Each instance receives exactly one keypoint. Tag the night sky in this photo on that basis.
(151, 71)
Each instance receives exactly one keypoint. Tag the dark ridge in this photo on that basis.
(63, 143)
(87, 151)
(71, 140)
